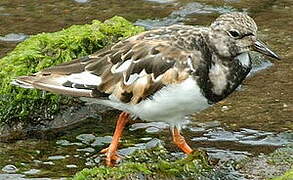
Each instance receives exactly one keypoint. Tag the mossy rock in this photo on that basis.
(154, 163)
(287, 176)
(25, 106)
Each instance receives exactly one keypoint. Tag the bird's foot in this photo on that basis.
(111, 156)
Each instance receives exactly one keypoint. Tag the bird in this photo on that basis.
(161, 74)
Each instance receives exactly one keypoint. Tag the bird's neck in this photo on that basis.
(222, 76)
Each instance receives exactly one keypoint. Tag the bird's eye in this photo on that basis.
(234, 33)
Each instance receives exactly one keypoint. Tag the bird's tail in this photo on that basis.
(54, 83)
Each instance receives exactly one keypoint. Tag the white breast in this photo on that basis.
(170, 104)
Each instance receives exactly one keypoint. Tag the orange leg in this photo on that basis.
(180, 141)
(111, 150)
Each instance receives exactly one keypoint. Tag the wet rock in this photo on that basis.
(153, 143)
(97, 160)
(227, 155)
(81, 1)
(58, 157)
(161, 1)
(37, 161)
(32, 171)
(179, 16)
(86, 150)
(9, 168)
(67, 143)
(210, 124)
(158, 125)
(86, 138)
(49, 163)
(71, 166)
(63, 142)
(99, 141)
(128, 151)
(152, 130)
(225, 108)
(90, 163)
(12, 37)
(197, 129)
(12, 176)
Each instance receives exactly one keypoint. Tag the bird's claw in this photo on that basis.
(111, 156)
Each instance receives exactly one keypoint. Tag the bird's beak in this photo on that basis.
(262, 48)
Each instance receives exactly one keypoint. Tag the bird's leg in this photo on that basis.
(111, 150)
(180, 141)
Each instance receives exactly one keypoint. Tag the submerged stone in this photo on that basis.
(86, 138)
(32, 171)
(56, 157)
(9, 168)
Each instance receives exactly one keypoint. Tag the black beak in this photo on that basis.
(263, 49)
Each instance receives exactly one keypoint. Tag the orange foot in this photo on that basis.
(180, 141)
(111, 151)
(111, 156)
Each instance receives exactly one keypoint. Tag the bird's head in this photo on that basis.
(235, 33)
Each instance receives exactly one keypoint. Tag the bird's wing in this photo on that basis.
(131, 70)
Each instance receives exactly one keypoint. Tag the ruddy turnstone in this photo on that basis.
(162, 74)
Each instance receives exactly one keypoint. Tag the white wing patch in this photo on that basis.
(123, 67)
(133, 77)
(85, 78)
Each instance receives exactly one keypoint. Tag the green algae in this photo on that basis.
(287, 176)
(47, 49)
(154, 163)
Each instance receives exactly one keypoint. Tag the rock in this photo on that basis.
(56, 157)
(99, 141)
(9, 168)
(49, 163)
(86, 150)
(32, 171)
(12, 37)
(86, 138)
(81, 1)
(71, 166)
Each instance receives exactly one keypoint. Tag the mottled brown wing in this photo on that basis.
(134, 70)
(131, 70)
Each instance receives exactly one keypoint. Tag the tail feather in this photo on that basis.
(53, 83)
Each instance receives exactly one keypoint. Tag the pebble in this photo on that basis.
(158, 125)
(86, 150)
(81, 1)
(63, 142)
(90, 163)
(86, 138)
(9, 168)
(99, 141)
(71, 166)
(152, 130)
(161, 1)
(225, 108)
(97, 160)
(32, 171)
(153, 143)
(12, 176)
(56, 157)
(49, 163)
(13, 37)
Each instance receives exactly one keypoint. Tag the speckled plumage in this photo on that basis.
(162, 74)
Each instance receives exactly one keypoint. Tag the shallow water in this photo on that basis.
(256, 119)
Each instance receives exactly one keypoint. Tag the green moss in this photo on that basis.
(287, 176)
(47, 49)
(154, 163)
